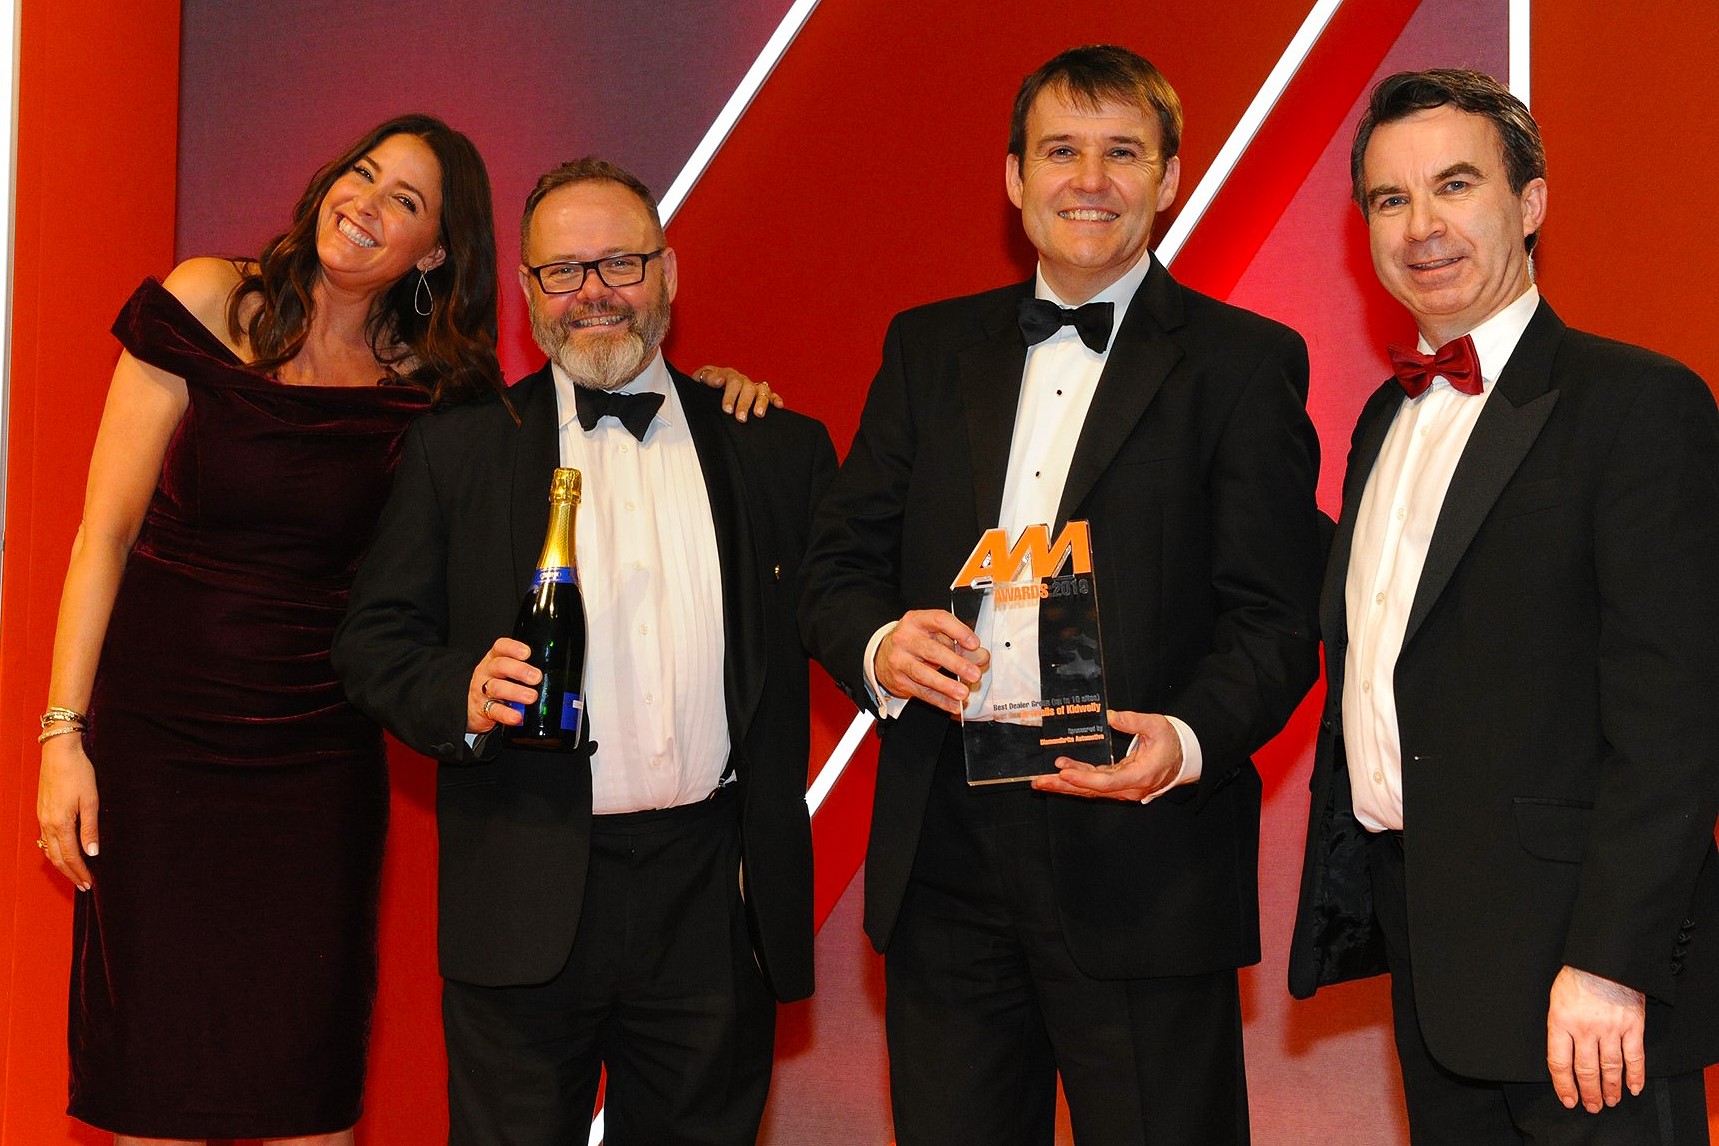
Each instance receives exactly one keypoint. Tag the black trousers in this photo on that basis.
(985, 1005)
(1446, 1109)
(661, 988)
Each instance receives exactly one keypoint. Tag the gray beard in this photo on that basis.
(612, 362)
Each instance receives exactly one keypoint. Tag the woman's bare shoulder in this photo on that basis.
(205, 286)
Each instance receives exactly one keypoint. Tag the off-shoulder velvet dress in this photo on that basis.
(224, 964)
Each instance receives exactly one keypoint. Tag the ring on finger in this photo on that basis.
(485, 708)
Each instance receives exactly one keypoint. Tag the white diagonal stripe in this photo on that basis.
(1231, 152)
(838, 761)
(737, 103)
(1519, 57)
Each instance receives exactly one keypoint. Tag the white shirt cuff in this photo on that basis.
(888, 704)
(1192, 761)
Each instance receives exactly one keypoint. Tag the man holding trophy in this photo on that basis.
(1089, 924)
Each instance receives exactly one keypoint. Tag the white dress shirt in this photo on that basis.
(652, 581)
(1057, 385)
(1393, 527)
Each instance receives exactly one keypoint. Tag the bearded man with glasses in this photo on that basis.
(594, 913)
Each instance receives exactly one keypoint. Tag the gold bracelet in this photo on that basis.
(59, 730)
(57, 714)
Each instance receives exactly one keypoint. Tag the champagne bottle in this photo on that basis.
(552, 622)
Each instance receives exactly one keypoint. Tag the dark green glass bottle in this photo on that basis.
(552, 622)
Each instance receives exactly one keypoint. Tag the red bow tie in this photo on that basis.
(1456, 361)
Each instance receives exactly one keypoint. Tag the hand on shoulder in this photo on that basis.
(740, 394)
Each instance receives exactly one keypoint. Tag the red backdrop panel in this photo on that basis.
(1625, 98)
(94, 192)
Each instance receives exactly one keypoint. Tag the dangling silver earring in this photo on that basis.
(423, 302)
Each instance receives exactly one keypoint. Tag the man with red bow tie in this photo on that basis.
(1518, 769)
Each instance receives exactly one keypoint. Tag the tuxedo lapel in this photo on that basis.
(537, 451)
(745, 624)
(1504, 433)
(1370, 430)
(1141, 357)
(990, 380)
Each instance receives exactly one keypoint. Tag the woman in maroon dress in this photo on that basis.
(224, 959)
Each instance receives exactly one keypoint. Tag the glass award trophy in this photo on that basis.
(1034, 604)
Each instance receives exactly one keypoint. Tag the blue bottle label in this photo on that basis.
(572, 709)
(560, 573)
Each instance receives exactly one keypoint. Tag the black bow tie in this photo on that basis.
(634, 411)
(1040, 318)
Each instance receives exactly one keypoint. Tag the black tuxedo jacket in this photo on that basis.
(1196, 467)
(1558, 702)
(453, 557)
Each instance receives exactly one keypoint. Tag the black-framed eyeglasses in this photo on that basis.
(612, 271)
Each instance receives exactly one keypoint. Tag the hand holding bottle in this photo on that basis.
(551, 629)
(501, 680)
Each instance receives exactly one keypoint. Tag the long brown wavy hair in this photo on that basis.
(452, 350)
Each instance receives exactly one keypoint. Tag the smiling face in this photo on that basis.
(1445, 228)
(601, 336)
(382, 218)
(1089, 186)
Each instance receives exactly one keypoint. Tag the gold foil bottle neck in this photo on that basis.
(565, 486)
(563, 506)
